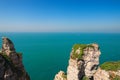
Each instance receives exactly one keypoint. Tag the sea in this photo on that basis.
(46, 53)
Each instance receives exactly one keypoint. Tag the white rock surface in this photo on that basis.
(105, 75)
(60, 76)
(85, 67)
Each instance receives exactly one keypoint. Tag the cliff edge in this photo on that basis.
(83, 65)
(11, 67)
(108, 71)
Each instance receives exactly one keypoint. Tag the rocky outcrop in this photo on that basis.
(11, 67)
(61, 76)
(108, 71)
(83, 61)
(106, 75)
(83, 65)
(86, 62)
(7, 46)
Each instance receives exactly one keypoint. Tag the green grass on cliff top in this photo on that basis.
(77, 46)
(111, 66)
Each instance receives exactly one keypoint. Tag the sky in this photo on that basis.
(60, 16)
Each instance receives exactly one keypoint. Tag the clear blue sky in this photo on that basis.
(60, 16)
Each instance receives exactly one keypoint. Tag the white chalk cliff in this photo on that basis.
(83, 64)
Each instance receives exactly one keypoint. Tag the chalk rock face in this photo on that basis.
(108, 71)
(84, 62)
(83, 65)
(106, 75)
(101, 75)
(60, 76)
(75, 70)
(11, 67)
(91, 60)
(7, 46)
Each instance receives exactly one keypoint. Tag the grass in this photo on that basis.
(82, 47)
(85, 78)
(116, 77)
(6, 57)
(111, 66)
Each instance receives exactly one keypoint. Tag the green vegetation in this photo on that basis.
(82, 47)
(113, 66)
(8, 62)
(6, 57)
(85, 78)
(64, 76)
(116, 78)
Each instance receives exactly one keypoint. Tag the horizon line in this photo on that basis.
(60, 32)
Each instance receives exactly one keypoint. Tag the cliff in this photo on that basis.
(83, 65)
(11, 67)
(108, 71)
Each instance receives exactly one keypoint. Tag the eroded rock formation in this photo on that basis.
(108, 71)
(11, 67)
(83, 65)
(61, 76)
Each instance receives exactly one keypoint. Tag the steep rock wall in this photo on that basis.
(11, 67)
(83, 62)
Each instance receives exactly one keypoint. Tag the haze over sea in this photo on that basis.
(44, 54)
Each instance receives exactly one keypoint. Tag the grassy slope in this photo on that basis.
(113, 66)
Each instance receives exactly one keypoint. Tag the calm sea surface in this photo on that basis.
(44, 54)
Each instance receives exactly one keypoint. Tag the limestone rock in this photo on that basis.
(75, 70)
(108, 71)
(106, 75)
(83, 64)
(11, 67)
(60, 76)
(7, 46)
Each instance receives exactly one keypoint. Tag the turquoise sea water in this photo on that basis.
(44, 54)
